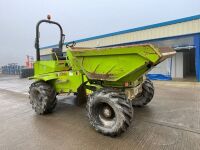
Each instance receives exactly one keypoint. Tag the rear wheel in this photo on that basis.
(109, 112)
(146, 96)
(42, 97)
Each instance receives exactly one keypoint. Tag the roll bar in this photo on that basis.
(37, 42)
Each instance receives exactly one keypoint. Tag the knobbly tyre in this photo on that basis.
(110, 80)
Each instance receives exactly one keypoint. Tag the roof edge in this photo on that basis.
(186, 19)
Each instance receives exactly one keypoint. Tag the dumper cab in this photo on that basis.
(46, 69)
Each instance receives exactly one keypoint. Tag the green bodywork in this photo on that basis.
(99, 66)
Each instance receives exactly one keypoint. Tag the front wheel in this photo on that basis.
(42, 97)
(146, 96)
(109, 112)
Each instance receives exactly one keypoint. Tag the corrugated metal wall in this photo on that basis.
(183, 28)
(177, 29)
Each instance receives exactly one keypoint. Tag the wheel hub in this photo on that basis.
(107, 112)
(107, 115)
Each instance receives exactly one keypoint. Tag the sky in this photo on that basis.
(80, 19)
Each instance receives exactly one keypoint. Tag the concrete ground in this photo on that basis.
(170, 121)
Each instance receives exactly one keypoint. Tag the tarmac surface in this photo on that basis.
(171, 121)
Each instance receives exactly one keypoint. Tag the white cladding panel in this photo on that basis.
(163, 68)
(177, 70)
(45, 51)
(48, 51)
(171, 66)
(183, 28)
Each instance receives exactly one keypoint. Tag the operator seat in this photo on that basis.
(57, 52)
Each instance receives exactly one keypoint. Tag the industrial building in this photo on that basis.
(183, 35)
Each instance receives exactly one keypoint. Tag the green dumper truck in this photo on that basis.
(110, 80)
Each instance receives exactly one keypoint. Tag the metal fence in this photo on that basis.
(14, 69)
(11, 69)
